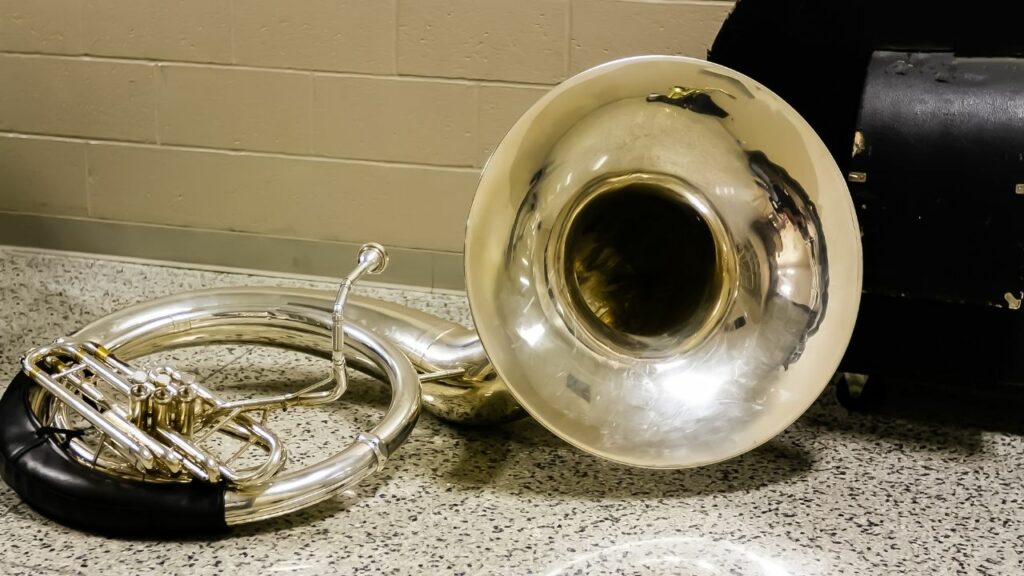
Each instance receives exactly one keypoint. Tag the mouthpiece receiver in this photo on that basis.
(375, 255)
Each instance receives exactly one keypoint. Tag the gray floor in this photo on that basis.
(837, 493)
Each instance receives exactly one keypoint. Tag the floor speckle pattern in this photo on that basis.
(837, 493)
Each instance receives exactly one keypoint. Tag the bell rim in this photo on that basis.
(481, 306)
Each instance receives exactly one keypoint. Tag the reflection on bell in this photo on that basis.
(690, 249)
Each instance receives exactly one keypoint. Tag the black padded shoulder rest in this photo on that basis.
(75, 495)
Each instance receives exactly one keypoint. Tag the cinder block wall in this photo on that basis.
(328, 120)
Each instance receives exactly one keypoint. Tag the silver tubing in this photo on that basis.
(185, 409)
(292, 319)
(473, 394)
(290, 492)
(373, 259)
(379, 451)
(164, 403)
(122, 441)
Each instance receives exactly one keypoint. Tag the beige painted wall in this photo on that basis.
(336, 120)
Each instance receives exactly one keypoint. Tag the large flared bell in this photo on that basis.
(663, 262)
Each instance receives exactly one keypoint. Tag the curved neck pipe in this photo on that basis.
(204, 317)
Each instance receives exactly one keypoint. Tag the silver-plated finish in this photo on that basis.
(473, 394)
(290, 492)
(663, 264)
(600, 314)
(664, 392)
(274, 317)
(284, 318)
(147, 434)
(773, 273)
(379, 451)
(373, 259)
(163, 404)
(130, 443)
(167, 415)
(138, 404)
(185, 409)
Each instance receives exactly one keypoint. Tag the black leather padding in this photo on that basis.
(55, 485)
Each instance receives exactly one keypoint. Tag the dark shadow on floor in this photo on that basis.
(930, 416)
(522, 457)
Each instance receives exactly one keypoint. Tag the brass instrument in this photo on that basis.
(664, 269)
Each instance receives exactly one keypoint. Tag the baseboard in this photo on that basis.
(221, 249)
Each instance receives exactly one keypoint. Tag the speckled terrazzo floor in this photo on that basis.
(837, 493)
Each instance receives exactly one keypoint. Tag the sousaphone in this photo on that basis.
(663, 265)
